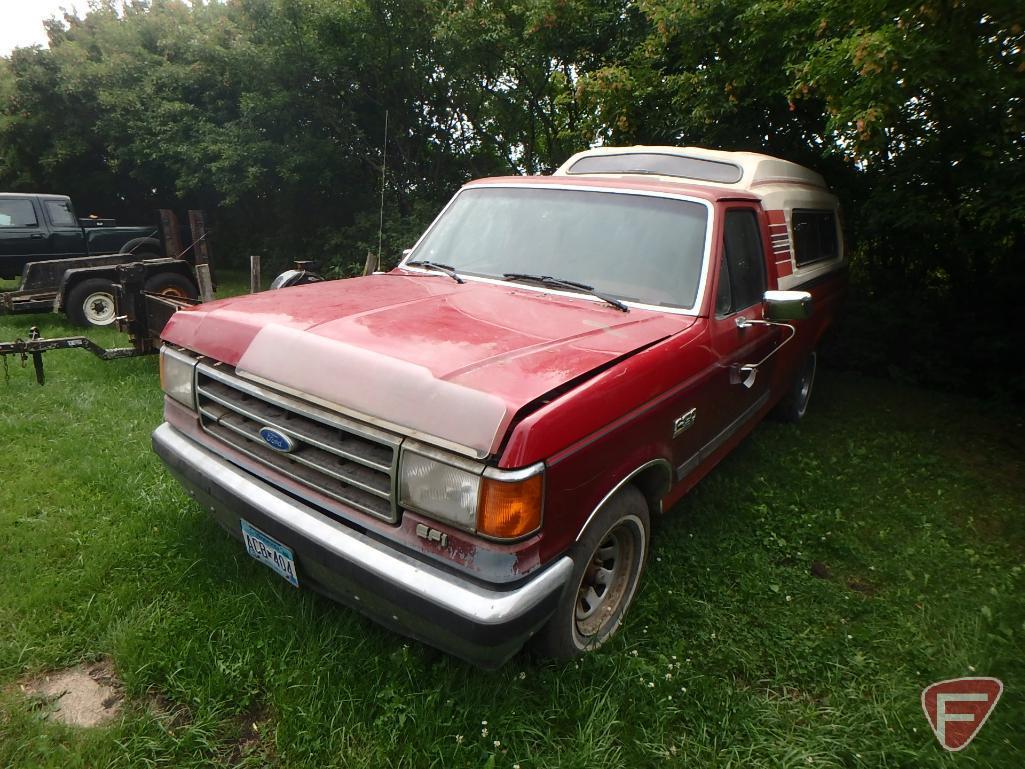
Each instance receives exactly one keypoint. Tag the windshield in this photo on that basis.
(637, 248)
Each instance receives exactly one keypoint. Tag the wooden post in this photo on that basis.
(200, 246)
(254, 274)
(206, 286)
(172, 233)
(371, 263)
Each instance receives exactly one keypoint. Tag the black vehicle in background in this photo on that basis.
(70, 264)
(42, 228)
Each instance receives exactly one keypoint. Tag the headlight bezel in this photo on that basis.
(476, 475)
(178, 376)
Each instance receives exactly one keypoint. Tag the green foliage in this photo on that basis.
(272, 112)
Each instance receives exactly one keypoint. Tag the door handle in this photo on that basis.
(35, 236)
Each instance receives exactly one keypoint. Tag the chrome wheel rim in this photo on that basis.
(607, 584)
(99, 309)
(807, 380)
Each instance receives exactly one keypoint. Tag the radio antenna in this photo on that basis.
(384, 166)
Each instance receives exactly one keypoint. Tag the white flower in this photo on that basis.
(633, 652)
(971, 668)
(790, 598)
(459, 739)
(523, 675)
(672, 657)
(516, 766)
(683, 689)
(484, 732)
(483, 723)
(850, 637)
(672, 749)
(498, 743)
(651, 684)
(669, 676)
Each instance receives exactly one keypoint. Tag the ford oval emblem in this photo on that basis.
(277, 440)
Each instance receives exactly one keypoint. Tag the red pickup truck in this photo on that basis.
(471, 447)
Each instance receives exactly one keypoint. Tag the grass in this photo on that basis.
(794, 606)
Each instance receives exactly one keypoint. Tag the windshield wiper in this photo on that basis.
(448, 269)
(548, 280)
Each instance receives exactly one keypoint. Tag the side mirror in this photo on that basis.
(787, 305)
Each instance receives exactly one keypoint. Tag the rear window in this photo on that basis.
(660, 164)
(815, 238)
(17, 212)
(60, 213)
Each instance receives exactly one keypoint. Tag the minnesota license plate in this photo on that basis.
(269, 551)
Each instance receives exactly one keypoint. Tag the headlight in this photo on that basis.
(492, 502)
(176, 370)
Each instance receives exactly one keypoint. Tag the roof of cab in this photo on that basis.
(644, 184)
(753, 170)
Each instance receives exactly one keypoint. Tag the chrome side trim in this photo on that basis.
(417, 580)
(511, 476)
(661, 462)
(724, 435)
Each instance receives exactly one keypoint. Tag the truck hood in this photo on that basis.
(451, 363)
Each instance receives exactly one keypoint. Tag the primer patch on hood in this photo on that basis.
(377, 385)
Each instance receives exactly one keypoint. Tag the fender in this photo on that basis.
(663, 480)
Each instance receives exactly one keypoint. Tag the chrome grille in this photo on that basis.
(339, 457)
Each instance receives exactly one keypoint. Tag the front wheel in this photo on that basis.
(608, 561)
(91, 303)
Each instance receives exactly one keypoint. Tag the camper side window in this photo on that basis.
(814, 236)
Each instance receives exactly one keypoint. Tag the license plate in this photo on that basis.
(270, 552)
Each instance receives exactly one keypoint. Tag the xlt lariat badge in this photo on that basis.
(684, 422)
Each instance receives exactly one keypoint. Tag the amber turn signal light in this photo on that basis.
(509, 509)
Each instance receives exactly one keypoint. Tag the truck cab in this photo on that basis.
(471, 447)
(42, 228)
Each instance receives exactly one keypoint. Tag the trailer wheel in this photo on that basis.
(91, 303)
(171, 284)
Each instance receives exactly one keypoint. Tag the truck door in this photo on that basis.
(22, 235)
(67, 238)
(740, 286)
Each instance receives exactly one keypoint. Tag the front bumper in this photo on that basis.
(483, 625)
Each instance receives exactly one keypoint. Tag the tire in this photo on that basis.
(795, 403)
(91, 303)
(608, 562)
(142, 248)
(171, 284)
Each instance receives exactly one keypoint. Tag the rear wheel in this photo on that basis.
(91, 303)
(171, 284)
(608, 561)
(795, 403)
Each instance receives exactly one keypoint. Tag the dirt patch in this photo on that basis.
(85, 695)
(253, 725)
(861, 585)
